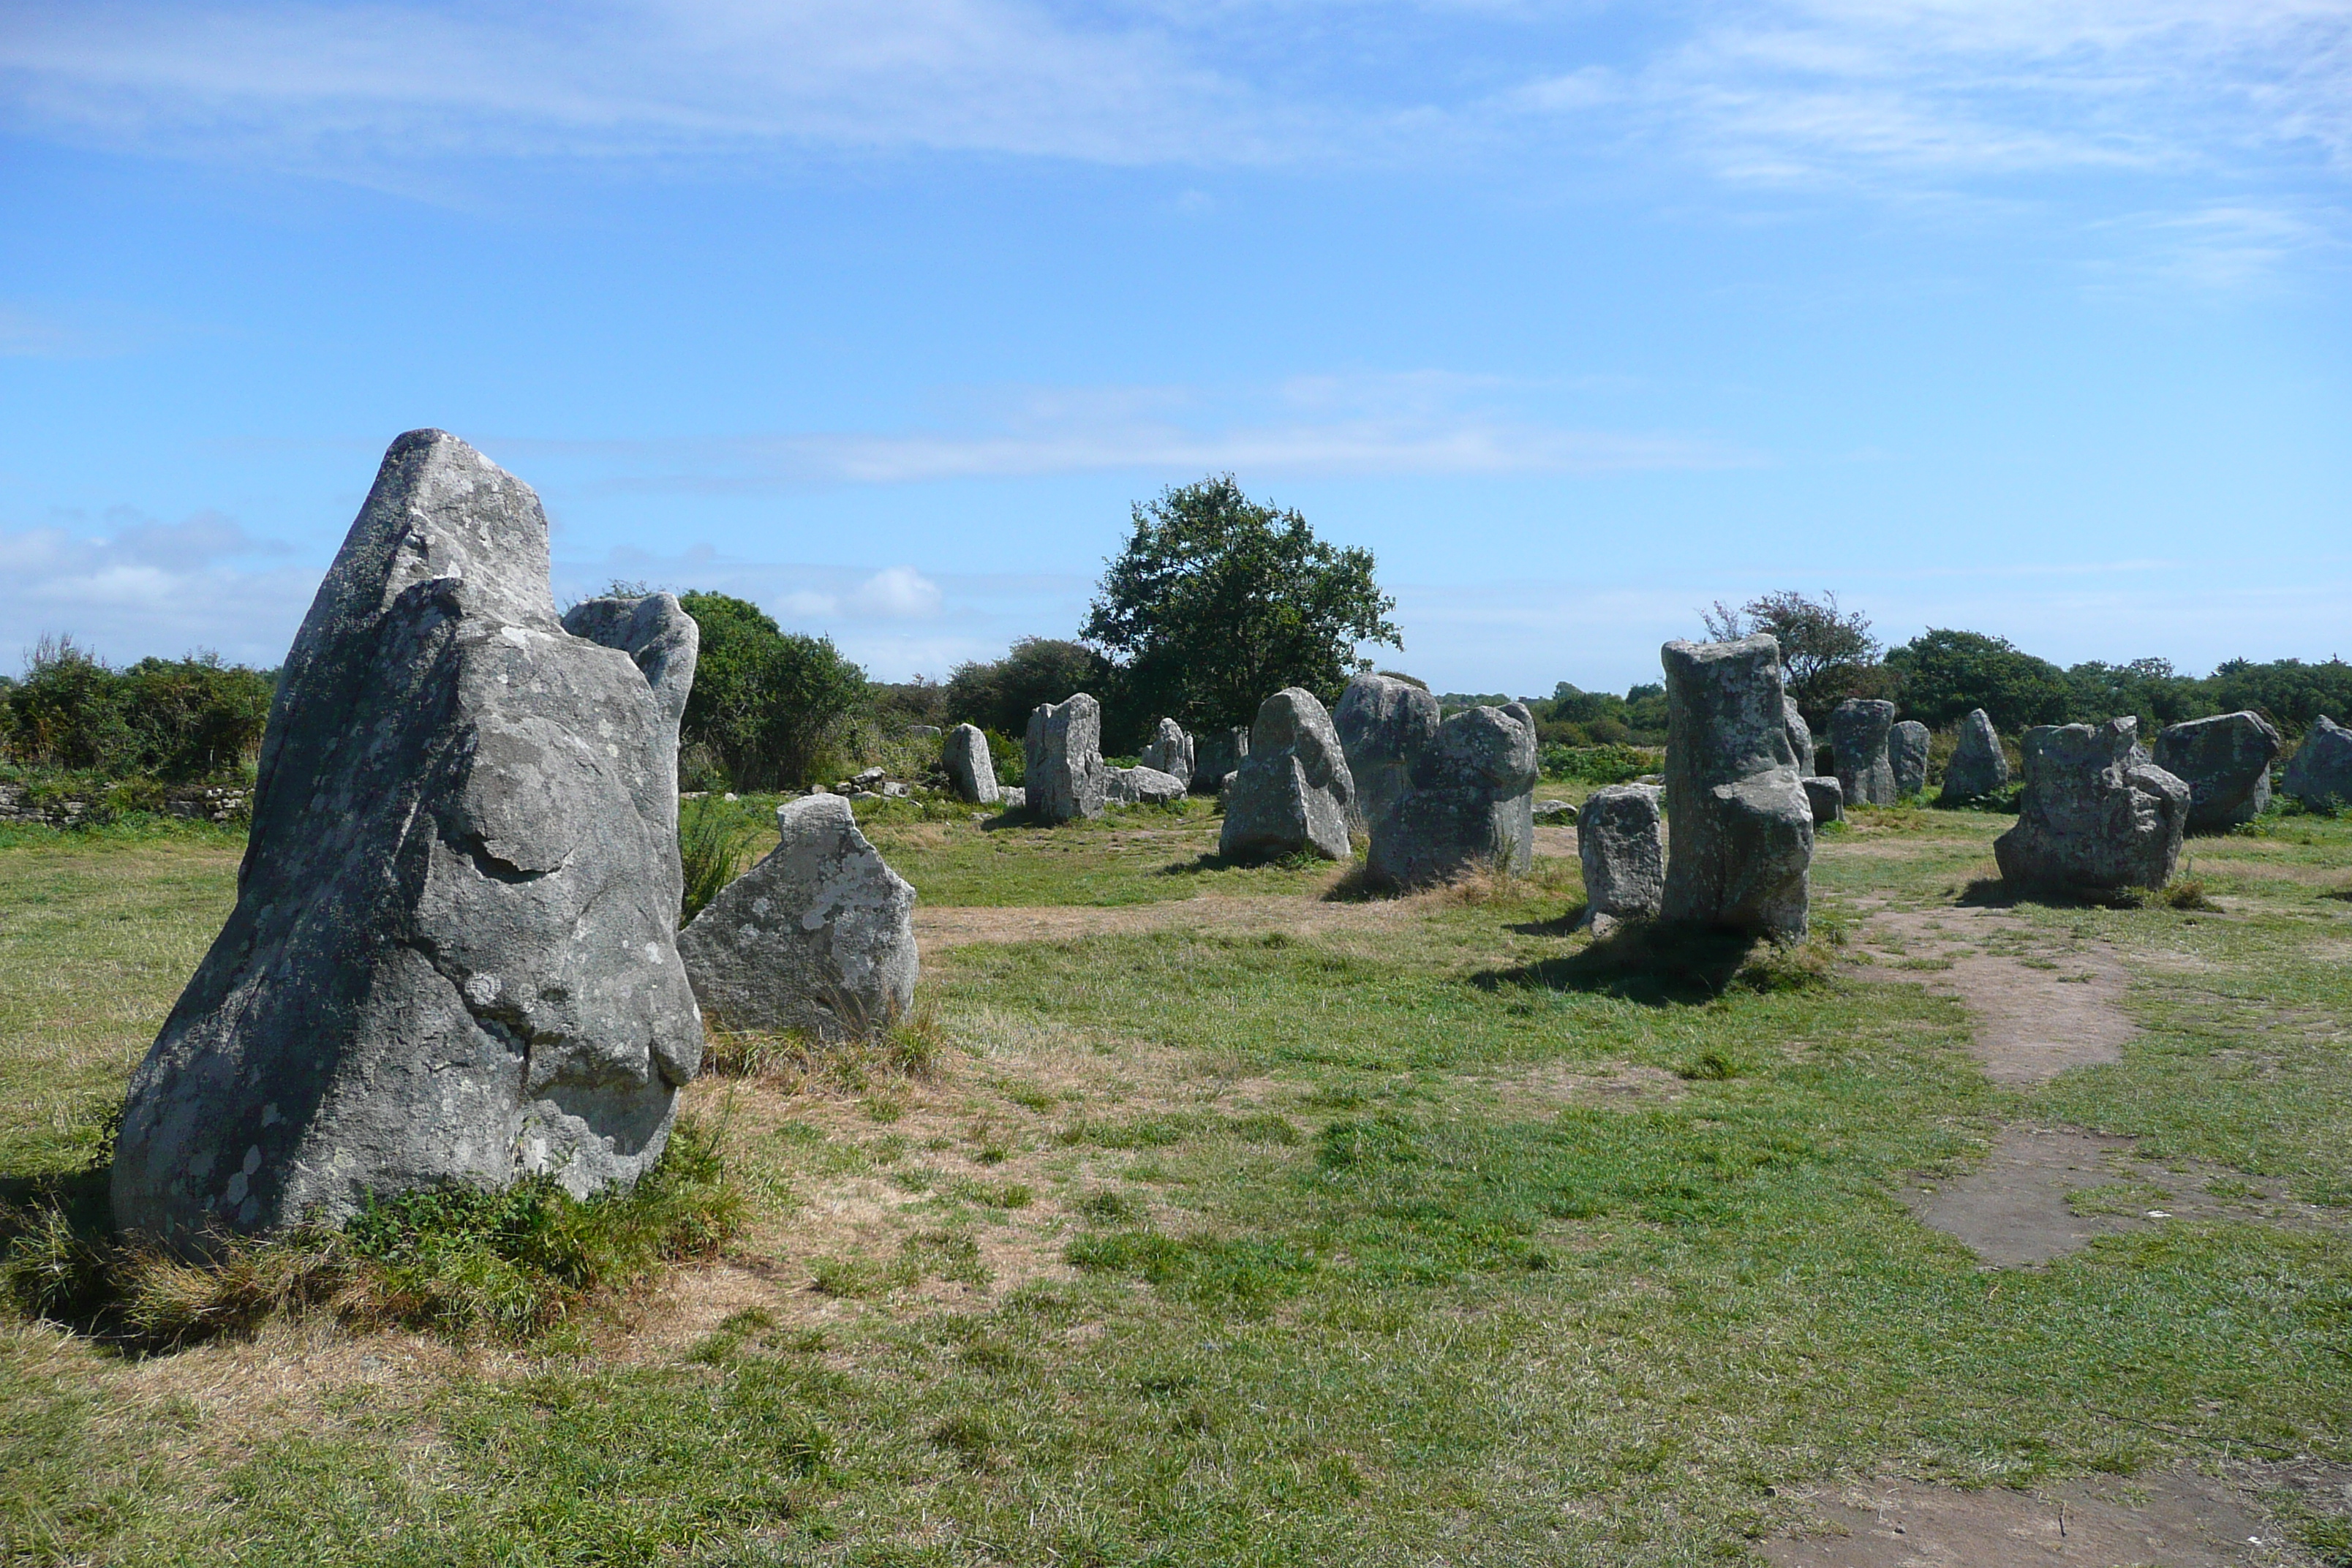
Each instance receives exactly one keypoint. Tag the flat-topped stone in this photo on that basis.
(1743, 831)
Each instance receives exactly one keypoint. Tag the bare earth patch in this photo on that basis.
(2044, 1192)
(2031, 1020)
(2178, 1518)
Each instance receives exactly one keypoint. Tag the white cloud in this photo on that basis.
(1414, 422)
(145, 587)
(898, 593)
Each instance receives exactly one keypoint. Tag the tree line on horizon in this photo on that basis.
(1214, 603)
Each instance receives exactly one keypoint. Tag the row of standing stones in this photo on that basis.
(454, 954)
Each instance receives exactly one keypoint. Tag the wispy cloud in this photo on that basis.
(1425, 423)
(130, 585)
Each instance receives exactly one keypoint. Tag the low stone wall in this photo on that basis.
(195, 803)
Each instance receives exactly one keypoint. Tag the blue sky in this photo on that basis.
(2029, 318)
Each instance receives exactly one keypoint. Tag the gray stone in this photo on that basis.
(1215, 755)
(1743, 831)
(1826, 798)
(892, 789)
(1140, 786)
(971, 772)
(1468, 804)
(2321, 775)
(819, 937)
(1858, 735)
(1171, 752)
(922, 731)
(1552, 810)
(1621, 840)
(2094, 817)
(1977, 768)
(1012, 797)
(1383, 724)
(2029, 748)
(453, 956)
(1292, 791)
(1907, 753)
(1064, 760)
(2225, 761)
(1800, 734)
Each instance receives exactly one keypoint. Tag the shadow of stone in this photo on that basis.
(1986, 893)
(1651, 965)
(1564, 924)
(1201, 864)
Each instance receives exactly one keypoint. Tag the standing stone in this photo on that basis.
(818, 937)
(2321, 775)
(1171, 752)
(1383, 724)
(1743, 831)
(2094, 817)
(1620, 840)
(2029, 748)
(1140, 786)
(1064, 760)
(1468, 802)
(972, 772)
(1292, 791)
(2225, 761)
(1012, 797)
(1977, 768)
(1858, 735)
(453, 957)
(1907, 753)
(1215, 755)
(1826, 798)
(1800, 734)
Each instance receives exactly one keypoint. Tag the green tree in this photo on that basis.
(2148, 688)
(768, 704)
(999, 694)
(1946, 673)
(2288, 692)
(1218, 602)
(1828, 653)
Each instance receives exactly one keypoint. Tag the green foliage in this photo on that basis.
(179, 719)
(714, 839)
(1947, 673)
(1596, 764)
(768, 704)
(1829, 653)
(1576, 718)
(999, 695)
(1217, 602)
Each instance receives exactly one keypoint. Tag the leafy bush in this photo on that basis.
(767, 704)
(180, 720)
(1596, 764)
(999, 695)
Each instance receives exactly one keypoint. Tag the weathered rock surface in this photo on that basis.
(1140, 786)
(453, 956)
(1800, 734)
(1743, 831)
(1907, 753)
(1292, 791)
(2321, 774)
(1171, 752)
(819, 936)
(1621, 840)
(1215, 755)
(2225, 761)
(1383, 724)
(972, 772)
(2093, 816)
(1468, 802)
(1859, 730)
(1826, 798)
(1062, 758)
(1012, 797)
(1553, 810)
(1977, 768)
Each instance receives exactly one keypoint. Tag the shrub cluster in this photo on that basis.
(182, 721)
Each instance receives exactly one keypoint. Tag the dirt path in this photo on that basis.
(2034, 1015)
(2178, 1518)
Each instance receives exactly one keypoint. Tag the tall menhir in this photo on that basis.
(453, 956)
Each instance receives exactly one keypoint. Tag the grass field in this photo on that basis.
(1240, 1220)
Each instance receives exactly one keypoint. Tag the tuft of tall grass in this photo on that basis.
(714, 840)
(457, 1259)
(909, 1046)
